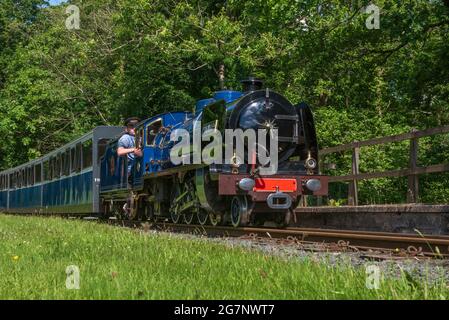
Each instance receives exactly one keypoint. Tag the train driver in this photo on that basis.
(127, 147)
(127, 143)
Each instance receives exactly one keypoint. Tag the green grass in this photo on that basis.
(117, 263)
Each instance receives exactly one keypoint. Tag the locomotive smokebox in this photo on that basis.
(252, 84)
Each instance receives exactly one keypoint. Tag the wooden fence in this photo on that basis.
(411, 172)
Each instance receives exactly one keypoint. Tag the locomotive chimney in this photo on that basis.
(252, 84)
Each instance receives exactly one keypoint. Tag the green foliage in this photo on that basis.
(139, 57)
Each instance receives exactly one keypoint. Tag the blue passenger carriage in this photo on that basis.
(63, 181)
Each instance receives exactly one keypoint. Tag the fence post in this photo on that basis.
(320, 171)
(353, 197)
(413, 180)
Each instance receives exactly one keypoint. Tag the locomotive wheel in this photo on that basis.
(216, 219)
(147, 212)
(188, 217)
(117, 211)
(175, 217)
(240, 211)
(202, 216)
(176, 191)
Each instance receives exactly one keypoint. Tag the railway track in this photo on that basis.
(394, 243)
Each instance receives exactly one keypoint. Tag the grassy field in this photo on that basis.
(116, 263)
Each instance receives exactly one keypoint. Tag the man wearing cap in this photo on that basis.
(127, 143)
(127, 147)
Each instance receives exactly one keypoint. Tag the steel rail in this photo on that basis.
(430, 245)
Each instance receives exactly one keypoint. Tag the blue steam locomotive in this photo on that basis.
(228, 192)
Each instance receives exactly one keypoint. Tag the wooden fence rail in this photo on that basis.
(411, 172)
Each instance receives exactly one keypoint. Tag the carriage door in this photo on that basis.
(152, 151)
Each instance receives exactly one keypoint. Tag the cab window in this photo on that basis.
(139, 138)
(152, 131)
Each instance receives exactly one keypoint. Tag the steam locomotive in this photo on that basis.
(87, 176)
(233, 191)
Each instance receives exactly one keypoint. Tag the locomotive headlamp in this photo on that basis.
(313, 185)
(310, 163)
(247, 184)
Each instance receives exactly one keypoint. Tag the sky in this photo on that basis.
(55, 2)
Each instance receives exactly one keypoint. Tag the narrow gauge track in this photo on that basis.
(424, 245)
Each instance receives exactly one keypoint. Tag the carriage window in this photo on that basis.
(31, 176)
(2, 187)
(52, 169)
(72, 159)
(78, 152)
(57, 166)
(38, 173)
(152, 131)
(76, 158)
(46, 171)
(19, 178)
(87, 154)
(102, 144)
(62, 164)
(66, 163)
